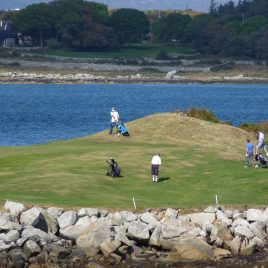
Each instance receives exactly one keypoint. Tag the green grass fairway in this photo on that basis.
(200, 159)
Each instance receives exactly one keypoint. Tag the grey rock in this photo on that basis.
(149, 219)
(88, 212)
(237, 215)
(243, 231)
(259, 242)
(138, 231)
(129, 216)
(123, 238)
(258, 229)
(7, 225)
(31, 248)
(171, 213)
(36, 235)
(202, 218)
(12, 236)
(55, 212)
(14, 208)
(253, 214)
(73, 232)
(155, 237)
(85, 221)
(192, 249)
(264, 217)
(109, 246)
(21, 241)
(228, 213)
(5, 247)
(115, 218)
(89, 242)
(222, 217)
(67, 219)
(34, 217)
(241, 247)
(174, 228)
(240, 222)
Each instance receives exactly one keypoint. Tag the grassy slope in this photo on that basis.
(200, 159)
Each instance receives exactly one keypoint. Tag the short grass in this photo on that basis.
(200, 160)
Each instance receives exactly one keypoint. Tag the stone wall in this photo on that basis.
(52, 236)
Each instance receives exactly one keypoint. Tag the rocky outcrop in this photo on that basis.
(34, 236)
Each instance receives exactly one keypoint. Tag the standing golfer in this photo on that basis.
(114, 120)
(156, 163)
(261, 143)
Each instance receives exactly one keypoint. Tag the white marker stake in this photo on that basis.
(216, 197)
(134, 203)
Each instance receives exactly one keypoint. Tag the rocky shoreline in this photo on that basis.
(87, 78)
(92, 237)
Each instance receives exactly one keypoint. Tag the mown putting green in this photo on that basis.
(200, 159)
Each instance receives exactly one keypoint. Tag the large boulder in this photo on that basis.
(174, 228)
(149, 219)
(253, 214)
(36, 235)
(73, 232)
(243, 231)
(192, 249)
(138, 231)
(240, 246)
(90, 240)
(67, 219)
(34, 217)
(258, 229)
(223, 217)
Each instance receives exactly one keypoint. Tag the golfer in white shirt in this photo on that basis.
(156, 163)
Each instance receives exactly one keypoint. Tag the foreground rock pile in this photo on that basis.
(52, 236)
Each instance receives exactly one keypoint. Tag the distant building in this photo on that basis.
(7, 38)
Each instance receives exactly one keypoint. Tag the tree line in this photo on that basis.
(229, 29)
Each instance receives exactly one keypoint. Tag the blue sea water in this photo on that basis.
(32, 114)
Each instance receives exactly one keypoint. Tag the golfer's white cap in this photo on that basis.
(113, 109)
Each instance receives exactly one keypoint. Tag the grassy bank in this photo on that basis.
(200, 159)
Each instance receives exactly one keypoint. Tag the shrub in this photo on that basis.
(255, 127)
(202, 114)
(162, 55)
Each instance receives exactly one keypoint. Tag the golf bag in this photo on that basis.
(113, 169)
(122, 129)
(261, 159)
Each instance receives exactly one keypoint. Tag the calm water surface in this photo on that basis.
(32, 114)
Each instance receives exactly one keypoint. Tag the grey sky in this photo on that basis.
(197, 5)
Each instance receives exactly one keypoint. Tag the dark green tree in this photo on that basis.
(34, 20)
(171, 27)
(130, 25)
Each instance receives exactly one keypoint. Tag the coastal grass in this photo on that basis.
(200, 159)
